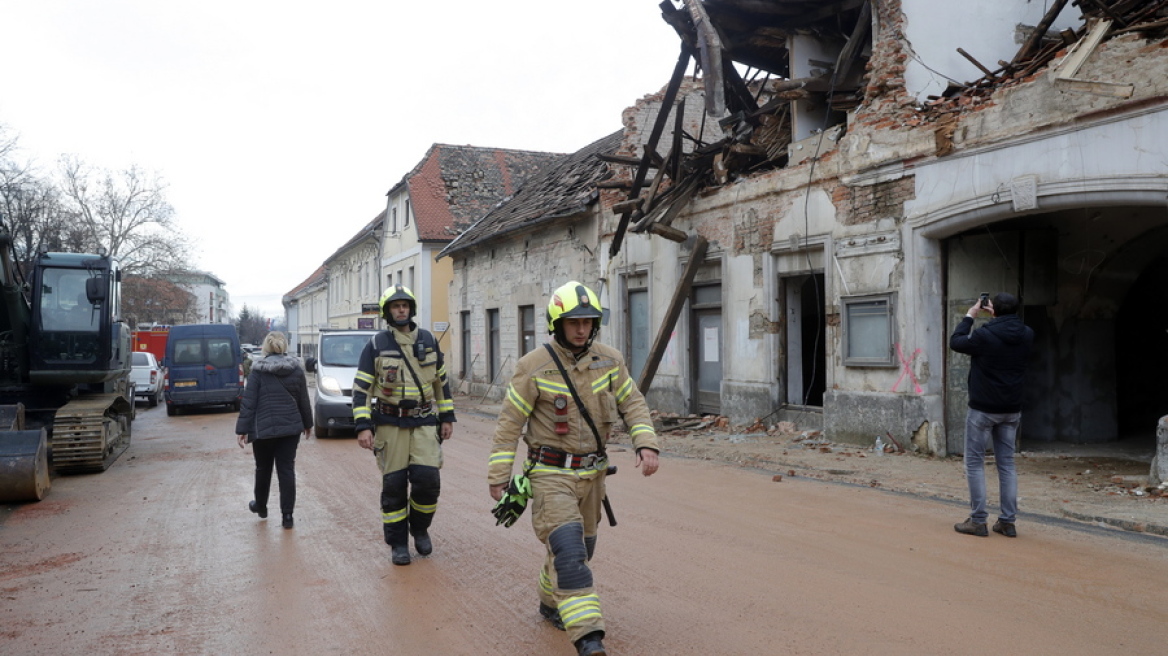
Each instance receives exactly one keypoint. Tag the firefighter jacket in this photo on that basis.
(605, 387)
(386, 391)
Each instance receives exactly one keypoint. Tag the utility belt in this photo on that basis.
(546, 455)
(407, 408)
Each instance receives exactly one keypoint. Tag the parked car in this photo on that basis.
(204, 366)
(335, 369)
(147, 376)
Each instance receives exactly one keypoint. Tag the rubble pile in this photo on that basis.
(1104, 19)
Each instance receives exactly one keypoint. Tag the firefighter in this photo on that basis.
(403, 412)
(565, 463)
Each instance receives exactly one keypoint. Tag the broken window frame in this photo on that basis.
(879, 317)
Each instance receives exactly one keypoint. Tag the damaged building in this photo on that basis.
(791, 228)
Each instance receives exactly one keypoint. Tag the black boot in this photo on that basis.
(552, 615)
(422, 544)
(398, 538)
(287, 520)
(400, 554)
(262, 512)
(591, 645)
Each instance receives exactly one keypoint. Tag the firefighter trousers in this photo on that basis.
(409, 459)
(566, 506)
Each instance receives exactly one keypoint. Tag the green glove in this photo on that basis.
(513, 502)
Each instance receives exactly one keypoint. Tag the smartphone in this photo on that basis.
(985, 299)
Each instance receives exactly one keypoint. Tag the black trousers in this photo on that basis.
(281, 452)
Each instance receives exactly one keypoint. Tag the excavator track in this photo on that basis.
(90, 433)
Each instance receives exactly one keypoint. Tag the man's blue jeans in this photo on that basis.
(980, 429)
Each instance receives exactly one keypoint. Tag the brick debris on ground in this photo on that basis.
(1061, 481)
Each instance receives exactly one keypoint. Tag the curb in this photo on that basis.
(1125, 524)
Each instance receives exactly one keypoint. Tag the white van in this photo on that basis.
(335, 367)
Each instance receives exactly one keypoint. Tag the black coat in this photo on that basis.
(999, 352)
(275, 402)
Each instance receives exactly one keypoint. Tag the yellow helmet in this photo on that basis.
(398, 293)
(574, 300)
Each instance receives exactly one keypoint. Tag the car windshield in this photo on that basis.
(342, 350)
(140, 360)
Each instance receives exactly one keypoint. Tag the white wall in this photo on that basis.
(985, 29)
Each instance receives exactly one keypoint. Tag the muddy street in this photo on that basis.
(160, 555)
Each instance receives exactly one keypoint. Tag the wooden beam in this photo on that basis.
(626, 206)
(657, 352)
(974, 62)
(1040, 31)
(672, 234)
(619, 159)
(710, 52)
(851, 50)
(651, 146)
(616, 184)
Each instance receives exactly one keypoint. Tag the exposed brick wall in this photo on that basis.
(887, 103)
(858, 205)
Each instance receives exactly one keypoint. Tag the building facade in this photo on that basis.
(212, 302)
(832, 218)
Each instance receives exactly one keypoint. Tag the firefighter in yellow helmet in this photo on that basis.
(403, 412)
(564, 463)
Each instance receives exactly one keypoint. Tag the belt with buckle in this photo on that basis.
(391, 410)
(546, 455)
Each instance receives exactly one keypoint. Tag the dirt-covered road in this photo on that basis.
(160, 555)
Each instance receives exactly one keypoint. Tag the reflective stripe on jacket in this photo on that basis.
(605, 387)
(383, 373)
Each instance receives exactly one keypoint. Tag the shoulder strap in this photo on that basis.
(413, 374)
(576, 397)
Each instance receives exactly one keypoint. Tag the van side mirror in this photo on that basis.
(310, 364)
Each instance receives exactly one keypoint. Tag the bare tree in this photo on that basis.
(29, 204)
(157, 301)
(126, 215)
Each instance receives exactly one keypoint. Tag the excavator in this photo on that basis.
(66, 399)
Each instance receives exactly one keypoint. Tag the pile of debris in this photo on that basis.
(1104, 19)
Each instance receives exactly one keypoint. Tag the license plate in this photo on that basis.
(186, 383)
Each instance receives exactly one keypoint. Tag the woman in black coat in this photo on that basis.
(275, 411)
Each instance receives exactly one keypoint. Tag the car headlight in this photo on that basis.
(329, 386)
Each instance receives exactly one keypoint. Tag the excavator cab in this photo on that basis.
(77, 337)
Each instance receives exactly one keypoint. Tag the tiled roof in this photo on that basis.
(455, 185)
(568, 187)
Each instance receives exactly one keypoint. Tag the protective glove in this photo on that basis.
(513, 502)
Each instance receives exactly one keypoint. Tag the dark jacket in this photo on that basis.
(999, 352)
(275, 402)
(401, 368)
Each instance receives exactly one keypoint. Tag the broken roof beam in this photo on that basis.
(619, 159)
(673, 201)
(1040, 31)
(661, 342)
(651, 146)
(852, 49)
(710, 52)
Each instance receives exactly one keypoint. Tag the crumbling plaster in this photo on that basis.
(512, 273)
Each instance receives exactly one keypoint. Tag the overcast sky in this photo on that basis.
(279, 126)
